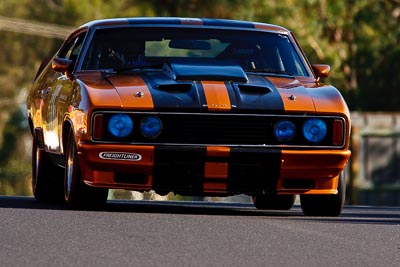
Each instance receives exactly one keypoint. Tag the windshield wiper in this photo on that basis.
(270, 71)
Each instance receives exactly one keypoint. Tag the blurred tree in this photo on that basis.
(378, 55)
(14, 170)
(199, 8)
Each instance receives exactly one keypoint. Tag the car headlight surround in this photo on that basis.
(120, 125)
(151, 127)
(284, 130)
(314, 130)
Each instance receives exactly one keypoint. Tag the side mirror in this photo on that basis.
(62, 65)
(321, 70)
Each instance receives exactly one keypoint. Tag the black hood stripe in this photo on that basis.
(258, 95)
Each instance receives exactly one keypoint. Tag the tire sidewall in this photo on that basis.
(36, 168)
(325, 205)
(71, 174)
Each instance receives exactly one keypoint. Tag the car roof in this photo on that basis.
(174, 21)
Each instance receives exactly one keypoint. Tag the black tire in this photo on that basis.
(325, 205)
(77, 194)
(47, 178)
(274, 202)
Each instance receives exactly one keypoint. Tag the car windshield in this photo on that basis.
(151, 47)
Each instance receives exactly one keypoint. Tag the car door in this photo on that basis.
(57, 96)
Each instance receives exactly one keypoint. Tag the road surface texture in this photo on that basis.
(158, 233)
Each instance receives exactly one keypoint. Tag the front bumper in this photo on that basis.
(212, 170)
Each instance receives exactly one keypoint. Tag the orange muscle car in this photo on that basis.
(200, 107)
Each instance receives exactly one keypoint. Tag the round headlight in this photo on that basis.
(284, 130)
(120, 125)
(314, 130)
(151, 127)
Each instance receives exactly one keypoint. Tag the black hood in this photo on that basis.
(202, 88)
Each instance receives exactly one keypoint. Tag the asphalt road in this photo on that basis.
(150, 233)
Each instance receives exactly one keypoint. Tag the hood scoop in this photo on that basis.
(175, 87)
(206, 72)
(254, 89)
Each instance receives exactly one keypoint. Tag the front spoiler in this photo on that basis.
(213, 170)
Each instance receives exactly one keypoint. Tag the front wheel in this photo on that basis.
(274, 202)
(46, 177)
(325, 205)
(77, 194)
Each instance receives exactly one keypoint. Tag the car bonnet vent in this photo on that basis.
(211, 72)
(254, 89)
(175, 87)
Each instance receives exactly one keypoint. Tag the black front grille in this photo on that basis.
(216, 129)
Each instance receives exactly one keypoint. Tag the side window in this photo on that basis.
(71, 49)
